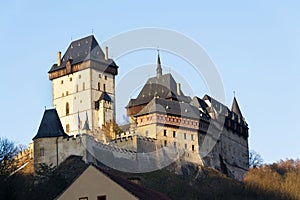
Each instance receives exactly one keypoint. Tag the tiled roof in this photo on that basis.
(218, 106)
(50, 125)
(125, 127)
(82, 50)
(137, 190)
(163, 87)
(104, 96)
(199, 103)
(235, 108)
(176, 108)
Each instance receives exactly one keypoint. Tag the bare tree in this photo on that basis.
(8, 150)
(255, 160)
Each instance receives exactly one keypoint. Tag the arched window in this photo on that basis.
(67, 108)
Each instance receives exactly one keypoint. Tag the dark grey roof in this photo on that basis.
(125, 127)
(163, 87)
(82, 50)
(199, 103)
(176, 108)
(104, 96)
(86, 126)
(233, 114)
(235, 108)
(50, 125)
(218, 106)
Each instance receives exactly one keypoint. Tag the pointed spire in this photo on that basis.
(158, 69)
(86, 125)
(235, 108)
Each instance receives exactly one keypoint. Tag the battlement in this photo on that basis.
(26, 153)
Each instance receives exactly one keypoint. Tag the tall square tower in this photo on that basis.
(83, 86)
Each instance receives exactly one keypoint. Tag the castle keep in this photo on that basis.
(162, 119)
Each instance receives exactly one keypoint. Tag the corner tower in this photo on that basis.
(83, 86)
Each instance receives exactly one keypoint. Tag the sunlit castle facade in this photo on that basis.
(83, 86)
(195, 126)
(162, 117)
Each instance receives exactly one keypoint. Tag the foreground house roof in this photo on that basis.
(105, 182)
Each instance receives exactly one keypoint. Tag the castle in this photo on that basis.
(164, 122)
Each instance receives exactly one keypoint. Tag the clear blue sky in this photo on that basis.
(255, 46)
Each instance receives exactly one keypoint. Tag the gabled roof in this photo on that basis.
(104, 96)
(82, 50)
(199, 103)
(137, 190)
(125, 127)
(235, 108)
(163, 87)
(176, 108)
(218, 106)
(50, 125)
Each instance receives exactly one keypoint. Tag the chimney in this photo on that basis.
(178, 89)
(58, 58)
(106, 53)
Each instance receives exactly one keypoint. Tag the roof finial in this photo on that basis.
(158, 69)
(92, 31)
(233, 93)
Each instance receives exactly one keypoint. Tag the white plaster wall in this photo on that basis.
(79, 100)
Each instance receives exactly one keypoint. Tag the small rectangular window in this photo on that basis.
(68, 128)
(104, 87)
(99, 75)
(184, 136)
(165, 132)
(83, 198)
(70, 79)
(147, 133)
(192, 137)
(185, 146)
(165, 143)
(97, 105)
(193, 148)
(174, 134)
(83, 86)
(103, 197)
(105, 77)
(61, 82)
(42, 151)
